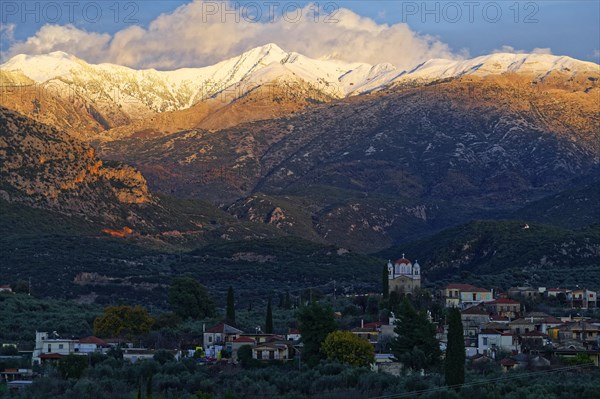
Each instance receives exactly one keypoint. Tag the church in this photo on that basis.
(404, 276)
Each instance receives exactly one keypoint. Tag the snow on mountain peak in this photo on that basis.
(159, 91)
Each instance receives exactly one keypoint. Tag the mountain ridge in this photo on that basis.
(114, 96)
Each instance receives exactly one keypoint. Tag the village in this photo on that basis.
(500, 329)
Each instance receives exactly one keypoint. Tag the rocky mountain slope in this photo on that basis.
(45, 170)
(102, 97)
(380, 168)
(43, 167)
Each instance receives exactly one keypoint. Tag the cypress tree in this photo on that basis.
(386, 282)
(230, 306)
(269, 321)
(454, 365)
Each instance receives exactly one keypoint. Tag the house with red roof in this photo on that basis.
(221, 334)
(52, 347)
(5, 288)
(293, 334)
(91, 344)
(237, 343)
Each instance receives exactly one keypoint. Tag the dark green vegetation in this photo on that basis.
(349, 348)
(22, 315)
(269, 318)
(190, 299)
(415, 346)
(123, 322)
(577, 205)
(111, 378)
(230, 309)
(504, 254)
(66, 258)
(315, 322)
(454, 361)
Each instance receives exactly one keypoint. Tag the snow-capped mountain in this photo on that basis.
(138, 92)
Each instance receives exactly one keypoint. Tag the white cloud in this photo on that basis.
(189, 37)
(511, 49)
(68, 38)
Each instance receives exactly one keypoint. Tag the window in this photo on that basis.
(259, 355)
(60, 346)
(49, 348)
(272, 355)
(485, 341)
(474, 297)
(210, 338)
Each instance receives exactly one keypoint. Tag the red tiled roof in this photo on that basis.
(490, 331)
(534, 334)
(466, 287)
(374, 325)
(294, 331)
(474, 310)
(508, 362)
(219, 328)
(504, 301)
(51, 356)
(244, 340)
(498, 317)
(223, 328)
(402, 261)
(93, 340)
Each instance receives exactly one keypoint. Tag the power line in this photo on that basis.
(484, 382)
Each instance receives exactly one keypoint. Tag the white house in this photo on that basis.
(5, 288)
(489, 342)
(91, 344)
(220, 334)
(293, 335)
(51, 348)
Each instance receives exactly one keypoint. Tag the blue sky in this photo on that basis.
(479, 27)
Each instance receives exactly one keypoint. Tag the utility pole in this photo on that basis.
(334, 293)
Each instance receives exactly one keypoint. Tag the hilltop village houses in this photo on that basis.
(497, 326)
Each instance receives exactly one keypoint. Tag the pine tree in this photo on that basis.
(269, 321)
(230, 306)
(415, 346)
(386, 282)
(315, 323)
(454, 365)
